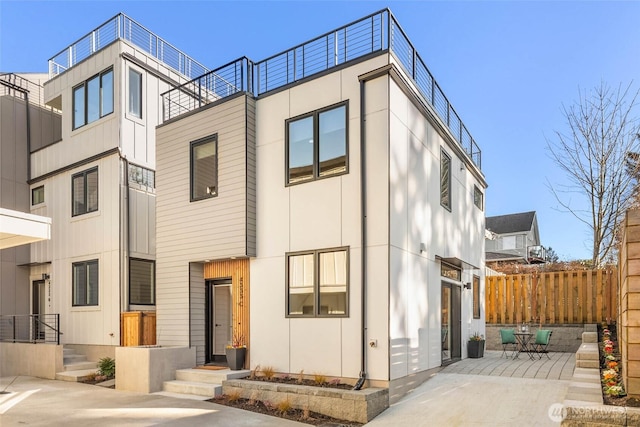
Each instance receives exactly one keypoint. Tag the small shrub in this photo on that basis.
(335, 382)
(284, 406)
(301, 376)
(107, 367)
(319, 379)
(92, 376)
(234, 397)
(253, 400)
(268, 372)
(305, 413)
(286, 377)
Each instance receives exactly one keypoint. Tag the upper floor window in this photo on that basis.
(84, 192)
(135, 93)
(93, 99)
(204, 168)
(85, 283)
(445, 180)
(142, 282)
(317, 283)
(478, 197)
(37, 195)
(317, 144)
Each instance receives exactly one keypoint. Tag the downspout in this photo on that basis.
(363, 241)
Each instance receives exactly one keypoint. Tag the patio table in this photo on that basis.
(523, 339)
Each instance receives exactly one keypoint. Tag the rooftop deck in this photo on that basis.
(374, 33)
(124, 28)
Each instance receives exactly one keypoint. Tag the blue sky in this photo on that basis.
(506, 66)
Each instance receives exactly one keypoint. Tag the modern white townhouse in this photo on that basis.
(325, 206)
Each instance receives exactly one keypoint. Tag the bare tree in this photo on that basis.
(594, 153)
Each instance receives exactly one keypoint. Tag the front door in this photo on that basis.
(219, 325)
(451, 321)
(38, 307)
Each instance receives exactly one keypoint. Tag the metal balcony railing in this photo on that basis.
(125, 28)
(30, 328)
(21, 88)
(377, 32)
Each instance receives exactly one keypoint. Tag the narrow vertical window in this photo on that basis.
(78, 107)
(135, 93)
(37, 195)
(476, 297)
(478, 197)
(204, 168)
(332, 141)
(106, 93)
(300, 150)
(84, 192)
(93, 99)
(142, 288)
(445, 180)
(85, 283)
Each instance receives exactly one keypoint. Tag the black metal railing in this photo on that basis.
(30, 328)
(21, 88)
(377, 32)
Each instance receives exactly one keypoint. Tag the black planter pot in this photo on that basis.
(235, 358)
(475, 349)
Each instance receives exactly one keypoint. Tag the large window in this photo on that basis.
(317, 145)
(93, 99)
(135, 93)
(85, 283)
(37, 195)
(84, 192)
(317, 283)
(445, 180)
(142, 282)
(204, 168)
(142, 176)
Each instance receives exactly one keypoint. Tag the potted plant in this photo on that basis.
(236, 353)
(475, 346)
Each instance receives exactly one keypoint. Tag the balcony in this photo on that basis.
(121, 27)
(376, 33)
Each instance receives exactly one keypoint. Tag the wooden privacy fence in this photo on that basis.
(137, 328)
(560, 297)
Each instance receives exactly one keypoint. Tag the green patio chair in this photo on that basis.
(508, 339)
(543, 337)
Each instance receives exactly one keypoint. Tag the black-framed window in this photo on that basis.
(84, 192)
(478, 197)
(93, 99)
(318, 283)
(317, 144)
(142, 282)
(142, 176)
(135, 93)
(204, 168)
(37, 195)
(85, 283)
(445, 180)
(476, 297)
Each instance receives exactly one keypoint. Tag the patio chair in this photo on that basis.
(543, 337)
(508, 339)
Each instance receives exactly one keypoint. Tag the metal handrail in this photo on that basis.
(26, 328)
(124, 28)
(376, 32)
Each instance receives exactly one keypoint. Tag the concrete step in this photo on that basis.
(192, 387)
(181, 395)
(594, 364)
(210, 376)
(79, 366)
(74, 358)
(75, 376)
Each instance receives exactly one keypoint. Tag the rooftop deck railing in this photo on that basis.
(125, 28)
(377, 32)
(19, 87)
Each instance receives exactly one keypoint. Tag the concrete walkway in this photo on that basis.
(490, 391)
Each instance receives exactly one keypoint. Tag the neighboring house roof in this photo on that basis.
(512, 223)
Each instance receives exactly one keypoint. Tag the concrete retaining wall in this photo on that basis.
(359, 406)
(34, 360)
(565, 338)
(145, 369)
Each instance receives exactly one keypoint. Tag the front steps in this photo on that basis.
(200, 384)
(76, 367)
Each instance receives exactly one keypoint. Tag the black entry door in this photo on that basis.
(451, 321)
(218, 319)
